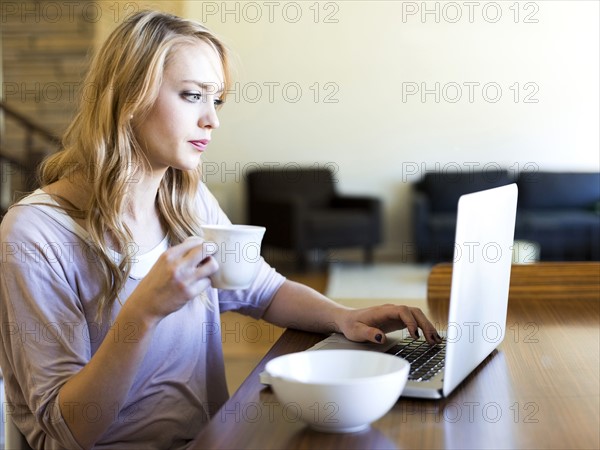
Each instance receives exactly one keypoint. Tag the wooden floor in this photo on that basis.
(246, 341)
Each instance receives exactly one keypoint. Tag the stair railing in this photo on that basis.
(21, 165)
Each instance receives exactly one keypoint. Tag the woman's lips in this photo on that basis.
(201, 144)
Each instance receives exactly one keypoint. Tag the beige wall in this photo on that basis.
(365, 58)
(356, 64)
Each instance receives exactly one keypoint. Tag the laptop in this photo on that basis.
(478, 299)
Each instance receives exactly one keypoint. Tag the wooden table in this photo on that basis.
(539, 389)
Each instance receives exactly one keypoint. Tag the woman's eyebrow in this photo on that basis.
(211, 88)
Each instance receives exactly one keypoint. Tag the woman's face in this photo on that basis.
(178, 127)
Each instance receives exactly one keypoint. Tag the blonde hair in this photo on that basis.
(125, 77)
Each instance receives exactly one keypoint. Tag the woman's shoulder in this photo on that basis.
(33, 218)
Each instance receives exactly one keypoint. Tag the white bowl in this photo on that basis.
(338, 391)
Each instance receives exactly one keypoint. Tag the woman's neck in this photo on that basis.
(140, 203)
(140, 213)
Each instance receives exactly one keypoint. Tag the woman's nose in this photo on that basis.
(209, 117)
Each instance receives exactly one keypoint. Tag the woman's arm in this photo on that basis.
(179, 275)
(106, 379)
(298, 306)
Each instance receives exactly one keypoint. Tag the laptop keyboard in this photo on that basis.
(425, 360)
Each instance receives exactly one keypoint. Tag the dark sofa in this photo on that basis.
(558, 210)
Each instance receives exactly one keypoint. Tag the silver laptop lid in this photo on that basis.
(480, 280)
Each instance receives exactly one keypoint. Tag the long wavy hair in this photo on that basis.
(122, 82)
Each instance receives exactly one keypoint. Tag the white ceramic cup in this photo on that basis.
(525, 252)
(237, 251)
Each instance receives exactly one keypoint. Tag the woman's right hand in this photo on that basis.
(180, 274)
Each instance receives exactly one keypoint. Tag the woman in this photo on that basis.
(110, 316)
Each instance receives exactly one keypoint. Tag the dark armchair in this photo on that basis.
(302, 211)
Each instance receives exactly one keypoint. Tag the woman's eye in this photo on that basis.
(218, 102)
(193, 97)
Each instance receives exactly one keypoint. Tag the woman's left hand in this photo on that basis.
(371, 324)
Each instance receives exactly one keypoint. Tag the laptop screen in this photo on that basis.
(480, 279)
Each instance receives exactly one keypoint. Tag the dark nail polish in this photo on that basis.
(378, 337)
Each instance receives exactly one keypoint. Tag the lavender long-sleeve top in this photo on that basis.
(49, 279)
